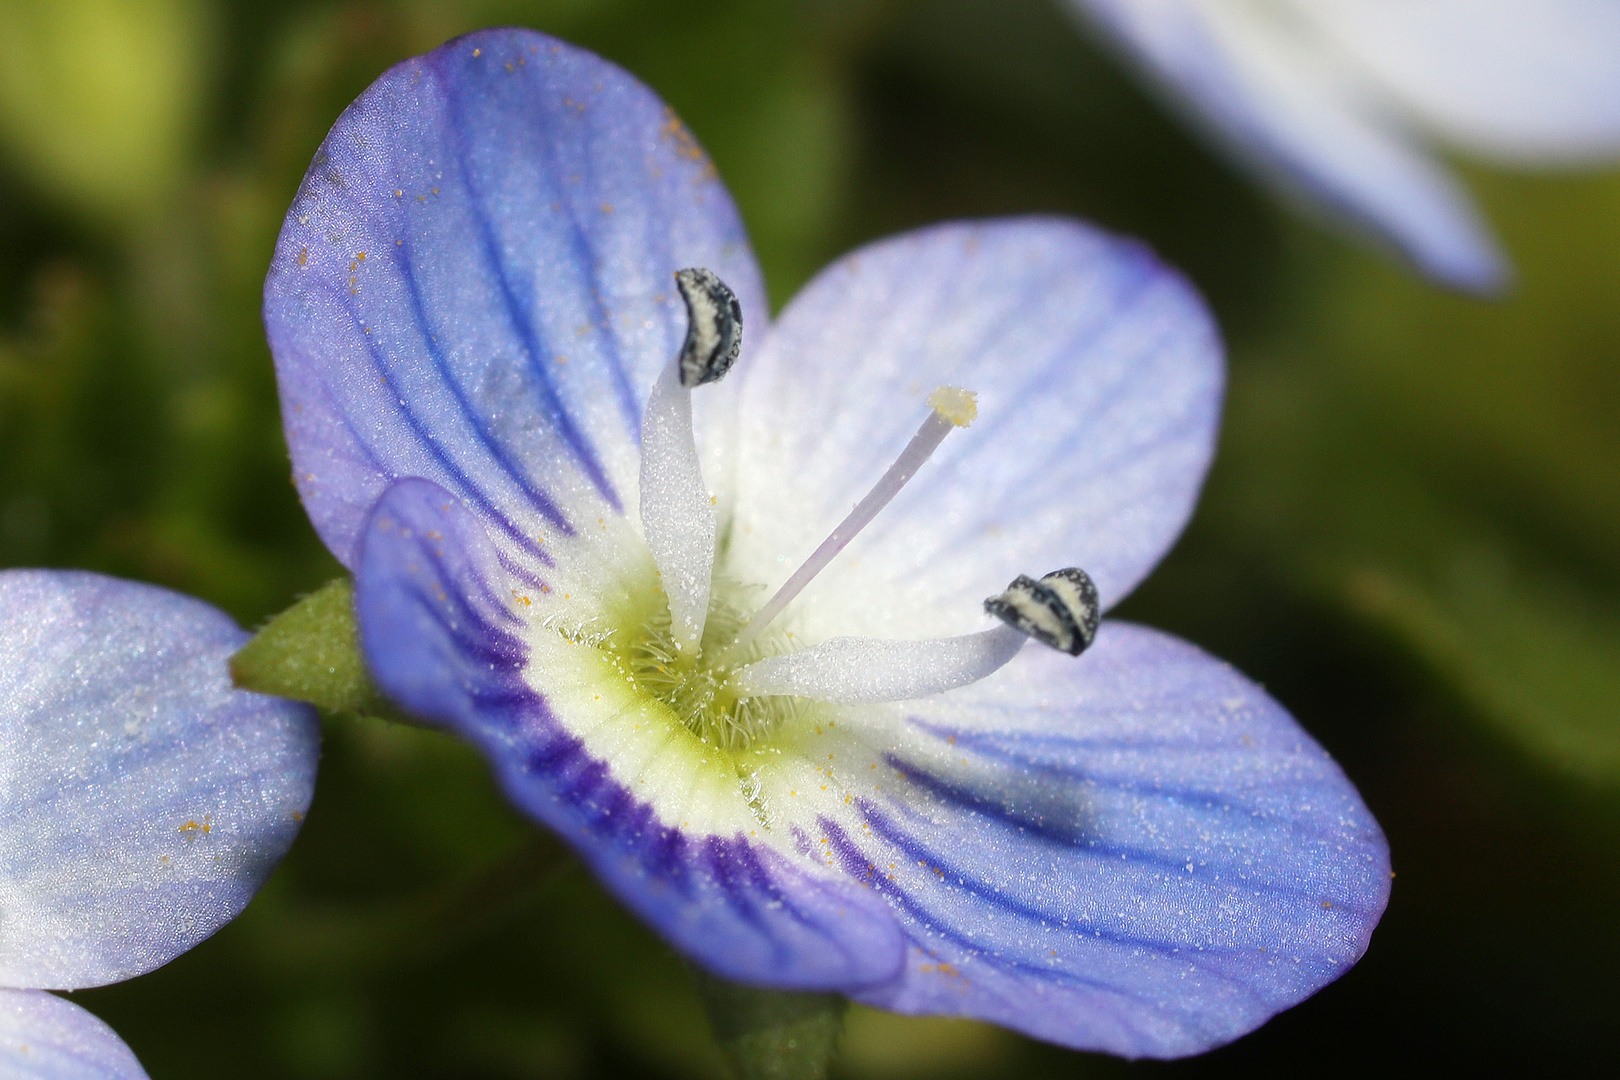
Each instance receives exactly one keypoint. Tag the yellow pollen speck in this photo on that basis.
(953, 403)
(478, 52)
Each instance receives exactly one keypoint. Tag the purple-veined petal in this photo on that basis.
(43, 1037)
(1137, 851)
(1528, 81)
(475, 286)
(143, 800)
(437, 623)
(1298, 109)
(1099, 377)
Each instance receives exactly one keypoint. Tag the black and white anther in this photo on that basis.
(1060, 610)
(713, 327)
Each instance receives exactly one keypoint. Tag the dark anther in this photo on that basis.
(1060, 610)
(713, 327)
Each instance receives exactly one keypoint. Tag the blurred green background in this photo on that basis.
(1412, 534)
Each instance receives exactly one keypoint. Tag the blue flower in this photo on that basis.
(143, 801)
(1341, 102)
(475, 318)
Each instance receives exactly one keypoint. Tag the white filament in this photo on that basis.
(677, 512)
(921, 447)
(864, 671)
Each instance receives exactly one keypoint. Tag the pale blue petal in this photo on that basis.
(436, 624)
(43, 1037)
(143, 800)
(475, 286)
(1137, 851)
(1527, 81)
(1292, 105)
(1099, 376)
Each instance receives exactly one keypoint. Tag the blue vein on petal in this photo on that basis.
(667, 853)
(474, 492)
(522, 318)
(763, 882)
(1195, 797)
(976, 803)
(537, 497)
(1126, 295)
(524, 574)
(1190, 952)
(584, 257)
(855, 862)
(1192, 796)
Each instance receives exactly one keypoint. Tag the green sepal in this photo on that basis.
(773, 1034)
(311, 652)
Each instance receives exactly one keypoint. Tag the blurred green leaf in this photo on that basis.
(1446, 469)
(100, 99)
(1533, 658)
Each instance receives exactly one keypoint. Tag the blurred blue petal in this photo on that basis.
(144, 800)
(1527, 81)
(1139, 852)
(474, 286)
(43, 1037)
(1338, 101)
(1099, 375)
(436, 625)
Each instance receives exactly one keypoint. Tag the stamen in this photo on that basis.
(864, 671)
(1060, 610)
(952, 407)
(677, 513)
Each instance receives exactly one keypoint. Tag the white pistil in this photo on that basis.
(677, 512)
(951, 408)
(864, 671)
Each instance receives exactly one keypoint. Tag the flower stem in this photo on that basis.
(773, 1034)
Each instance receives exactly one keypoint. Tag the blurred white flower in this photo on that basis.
(1343, 103)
